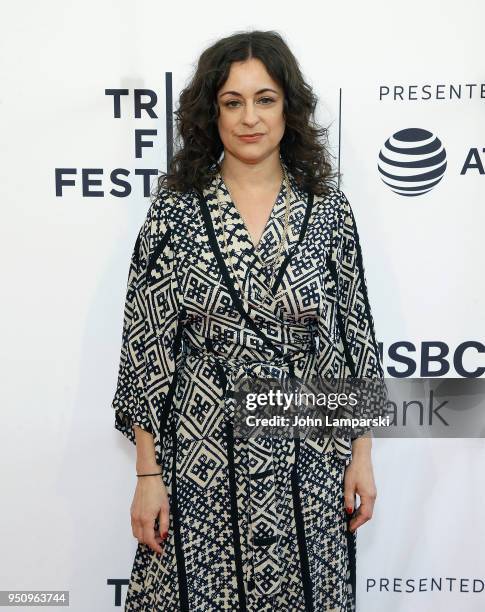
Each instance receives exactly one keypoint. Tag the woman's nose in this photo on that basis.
(250, 113)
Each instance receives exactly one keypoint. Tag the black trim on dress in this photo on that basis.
(340, 322)
(177, 343)
(227, 279)
(179, 553)
(241, 593)
(286, 261)
(156, 253)
(300, 533)
(363, 286)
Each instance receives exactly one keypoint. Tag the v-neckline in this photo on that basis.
(231, 244)
(254, 247)
(232, 212)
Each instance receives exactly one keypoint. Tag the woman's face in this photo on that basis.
(250, 102)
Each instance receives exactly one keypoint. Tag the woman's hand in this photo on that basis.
(149, 503)
(359, 478)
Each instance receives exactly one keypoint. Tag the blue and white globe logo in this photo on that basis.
(412, 161)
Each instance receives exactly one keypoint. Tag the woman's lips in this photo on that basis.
(251, 138)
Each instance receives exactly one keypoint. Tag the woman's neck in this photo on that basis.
(258, 176)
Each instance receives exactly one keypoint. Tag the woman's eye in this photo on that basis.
(233, 103)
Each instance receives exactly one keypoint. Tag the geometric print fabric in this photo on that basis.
(255, 524)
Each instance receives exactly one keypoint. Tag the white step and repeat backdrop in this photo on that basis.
(75, 180)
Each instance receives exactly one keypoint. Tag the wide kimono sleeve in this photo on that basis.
(354, 318)
(151, 333)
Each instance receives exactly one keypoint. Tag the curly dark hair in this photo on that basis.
(198, 144)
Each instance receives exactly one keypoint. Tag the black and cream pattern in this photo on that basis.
(256, 524)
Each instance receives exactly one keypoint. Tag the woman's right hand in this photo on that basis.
(149, 503)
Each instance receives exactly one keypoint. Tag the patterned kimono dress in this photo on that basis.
(255, 525)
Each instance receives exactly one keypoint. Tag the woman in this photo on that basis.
(248, 264)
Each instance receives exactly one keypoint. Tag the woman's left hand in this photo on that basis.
(359, 478)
